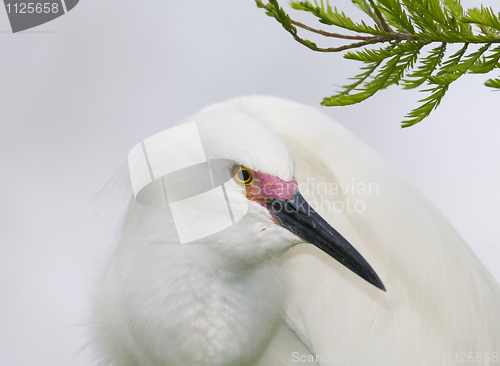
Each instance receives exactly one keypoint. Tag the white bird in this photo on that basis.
(249, 295)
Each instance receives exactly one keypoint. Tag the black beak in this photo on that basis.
(300, 218)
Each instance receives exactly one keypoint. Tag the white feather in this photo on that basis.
(236, 300)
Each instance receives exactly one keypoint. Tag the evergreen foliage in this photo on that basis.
(409, 26)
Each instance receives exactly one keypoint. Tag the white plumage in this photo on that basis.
(238, 300)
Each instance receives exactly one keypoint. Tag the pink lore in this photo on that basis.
(265, 186)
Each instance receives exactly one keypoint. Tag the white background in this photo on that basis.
(77, 93)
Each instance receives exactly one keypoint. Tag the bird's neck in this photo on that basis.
(209, 314)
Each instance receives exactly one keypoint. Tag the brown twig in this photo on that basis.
(375, 39)
(385, 26)
(394, 36)
(370, 13)
(328, 34)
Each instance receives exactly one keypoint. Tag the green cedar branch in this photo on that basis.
(417, 24)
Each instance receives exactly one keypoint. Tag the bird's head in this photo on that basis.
(240, 199)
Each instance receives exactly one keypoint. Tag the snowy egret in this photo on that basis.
(247, 294)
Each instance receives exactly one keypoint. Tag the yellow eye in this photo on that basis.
(242, 174)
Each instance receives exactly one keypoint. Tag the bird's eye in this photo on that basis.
(242, 174)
